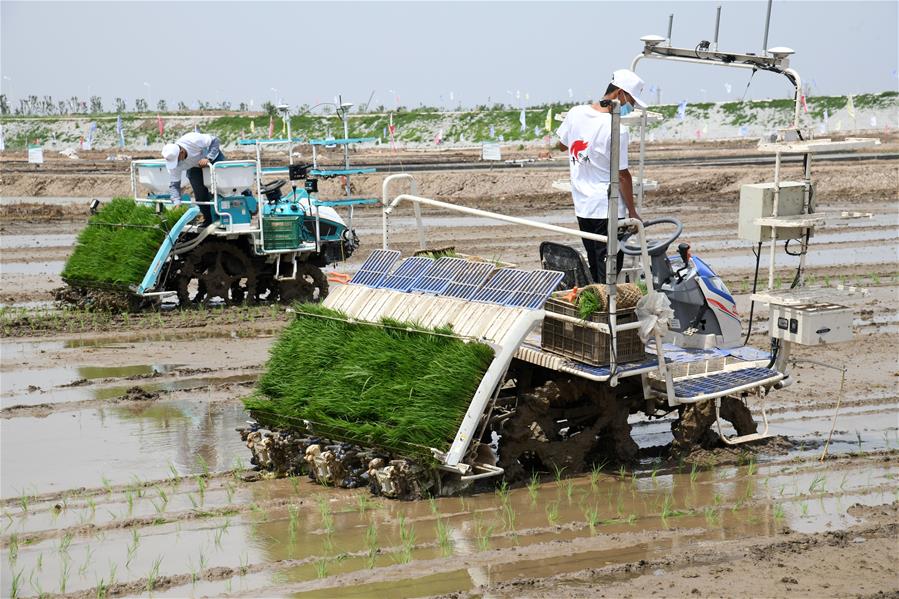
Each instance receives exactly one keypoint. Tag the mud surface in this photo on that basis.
(121, 472)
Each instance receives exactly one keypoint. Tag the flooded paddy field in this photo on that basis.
(121, 472)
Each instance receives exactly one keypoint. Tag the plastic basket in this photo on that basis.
(586, 344)
(281, 232)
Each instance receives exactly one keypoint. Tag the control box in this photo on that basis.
(757, 201)
(811, 324)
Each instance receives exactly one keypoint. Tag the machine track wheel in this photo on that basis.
(311, 285)
(560, 425)
(693, 428)
(216, 270)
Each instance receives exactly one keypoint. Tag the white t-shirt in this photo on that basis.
(588, 135)
(197, 146)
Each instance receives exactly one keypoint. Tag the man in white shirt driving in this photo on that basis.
(586, 133)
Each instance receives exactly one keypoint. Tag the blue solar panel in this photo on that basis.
(438, 278)
(469, 280)
(407, 274)
(536, 289)
(722, 381)
(501, 286)
(604, 370)
(375, 268)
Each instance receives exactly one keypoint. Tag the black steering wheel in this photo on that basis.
(655, 247)
(273, 185)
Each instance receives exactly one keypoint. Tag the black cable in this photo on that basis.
(775, 346)
(754, 69)
(755, 281)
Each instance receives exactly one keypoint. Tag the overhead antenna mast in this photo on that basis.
(670, 26)
(767, 23)
(717, 24)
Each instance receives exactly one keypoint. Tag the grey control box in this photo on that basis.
(757, 201)
(811, 324)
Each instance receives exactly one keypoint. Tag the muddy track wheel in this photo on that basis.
(216, 269)
(561, 424)
(693, 428)
(311, 285)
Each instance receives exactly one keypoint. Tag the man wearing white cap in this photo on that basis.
(191, 153)
(586, 133)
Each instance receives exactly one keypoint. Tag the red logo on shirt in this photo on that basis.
(578, 151)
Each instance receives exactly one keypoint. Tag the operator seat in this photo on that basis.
(566, 259)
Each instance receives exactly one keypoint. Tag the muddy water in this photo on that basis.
(298, 538)
(72, 449)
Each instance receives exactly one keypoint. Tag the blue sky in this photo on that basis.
(425, 51)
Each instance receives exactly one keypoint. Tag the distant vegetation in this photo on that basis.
(42, 119)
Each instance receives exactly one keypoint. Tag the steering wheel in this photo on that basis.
(273, 186)
(655, 247)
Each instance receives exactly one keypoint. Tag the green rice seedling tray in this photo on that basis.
(119, 244)
(386, 384)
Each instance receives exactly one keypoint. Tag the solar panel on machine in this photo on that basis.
(501, 286)
(438, 278)
(469, 280)
(535, 289)
(722, 381)
(375, 268)
(404, 277)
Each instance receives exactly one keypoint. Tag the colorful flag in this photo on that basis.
(438, 139)
(391, 129)
(283, 127)
(271, 126)
(682, 110)
(536, 130)
(120, 130)
(2, 140)
(873, 121)
(492, 132)
(744, 130)
(705, 129)
(850, 106)
(549, 120)
(161, 125)
(253, 126)
(804, 105)
(92, 128)
(727, 87)
(521, 120)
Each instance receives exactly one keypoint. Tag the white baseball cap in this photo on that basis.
(631, 83)
(171, 152)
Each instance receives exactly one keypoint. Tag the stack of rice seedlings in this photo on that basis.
(118, 246)
(390, 385)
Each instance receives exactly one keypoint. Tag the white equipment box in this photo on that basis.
(757, 201)
(811, 324)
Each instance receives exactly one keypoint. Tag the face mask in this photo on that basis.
(626, 109)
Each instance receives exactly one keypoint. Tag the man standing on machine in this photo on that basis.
(586, 133)
(192, 152)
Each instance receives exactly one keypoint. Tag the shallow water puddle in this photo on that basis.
(492, 536)
(87, 393)
(50, 267)
(73, 449)
(10, 242)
